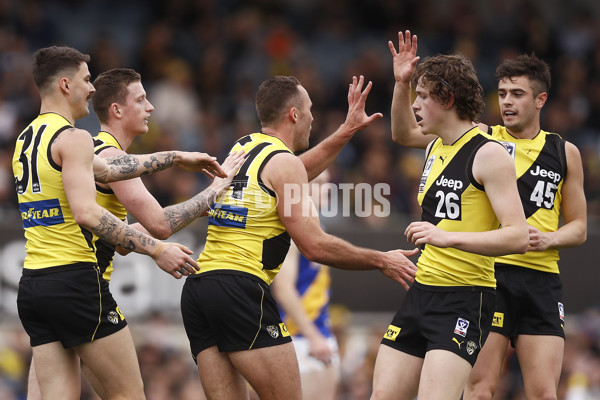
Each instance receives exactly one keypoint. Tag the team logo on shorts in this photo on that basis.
(273, 331)
(113, 317)
(471, 347)
(561, 311)
(461, 327)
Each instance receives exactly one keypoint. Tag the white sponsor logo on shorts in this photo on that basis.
(461, 327)
(561, 311)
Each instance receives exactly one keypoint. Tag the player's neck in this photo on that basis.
(118, 133)
(280, 134)
(528, 132)
(451, 132)
(50, 105)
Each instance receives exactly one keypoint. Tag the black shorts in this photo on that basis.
(456, 319)
(528, 302)
(234, 311)
(70, 304)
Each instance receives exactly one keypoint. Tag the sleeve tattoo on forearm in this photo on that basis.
(160, 162)
(114, 231)
(180, 215)
(128, 166)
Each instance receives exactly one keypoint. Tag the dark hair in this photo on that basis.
(447, 75)
(536, 70)
(274, 96)
(52, 61)
(111, 87)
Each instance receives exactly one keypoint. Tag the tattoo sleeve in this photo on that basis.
(115, 231)
(132, 166)
(181, 215)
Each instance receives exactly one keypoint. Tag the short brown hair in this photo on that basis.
(111, 87)
(447, 75)
(52, 61)
(274, 96)
(536, 70)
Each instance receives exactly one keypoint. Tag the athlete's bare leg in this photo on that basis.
(320, 384)
(396, 375)
(57, 371)
(272, 371)
(443, 376)
(113, 361)
(484, 377)
(541, 358)
(220, 379)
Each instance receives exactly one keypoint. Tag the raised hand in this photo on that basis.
(199, 162)
(230, 166)
(405, 59)
(399, 268)
(174, 259)
(357, 118)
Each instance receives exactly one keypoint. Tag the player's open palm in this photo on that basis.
(399, 268)
(199, 162)
(174, 259)
(357, 118)
(405, 59)
(231, 165)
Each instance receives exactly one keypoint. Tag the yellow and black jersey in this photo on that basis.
(454, 201)
(541, 168)
(244, 230)
(106, 198)
(53, 237)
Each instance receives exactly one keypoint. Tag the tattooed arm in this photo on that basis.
(78, 184)
(162, 223)
(128, 166)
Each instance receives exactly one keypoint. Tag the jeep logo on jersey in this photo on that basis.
(553, 176)
(273, 331)
(453, 184)
(41, 213)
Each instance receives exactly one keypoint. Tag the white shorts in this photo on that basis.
(308, 363)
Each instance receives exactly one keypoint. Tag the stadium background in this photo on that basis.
(201, 63)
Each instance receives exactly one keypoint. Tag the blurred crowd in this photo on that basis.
(169, 372)
(201, 63)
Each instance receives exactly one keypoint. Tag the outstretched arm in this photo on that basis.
(574, 211)
(285, 173)
(161, 222)
(405, 130)
(317, 159)
(286, 294)
(78, 184)
(127, 166)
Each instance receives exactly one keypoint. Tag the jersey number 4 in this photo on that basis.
(543, 194)
(29, 164)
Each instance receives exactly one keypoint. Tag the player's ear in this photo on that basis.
(115, 109)
(450, 102)
(293, 114)
(540, 100)
(64, 84)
